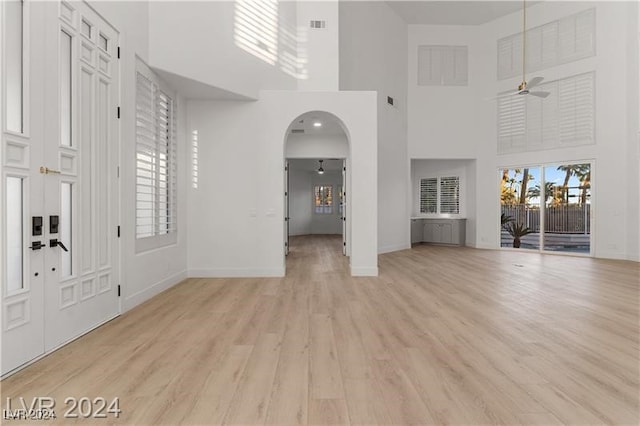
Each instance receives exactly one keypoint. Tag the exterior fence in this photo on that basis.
(564, 219)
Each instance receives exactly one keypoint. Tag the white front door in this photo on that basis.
(60, 177)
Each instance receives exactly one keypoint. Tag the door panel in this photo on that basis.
(80, 283)
(65, 161)
(22, 300)
(567, 219)
(343, 207)
(287, 219)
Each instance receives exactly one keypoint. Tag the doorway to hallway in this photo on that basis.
(317, 180)
(315, 200)
(316, 254)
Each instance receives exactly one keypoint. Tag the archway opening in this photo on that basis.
(317, 217)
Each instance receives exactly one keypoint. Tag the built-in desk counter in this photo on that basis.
(438, 230)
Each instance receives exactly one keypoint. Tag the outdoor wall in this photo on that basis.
(198, 40)
(457, 122)
(142, 274)
(236, 225)
(373, 56)
(302, 218)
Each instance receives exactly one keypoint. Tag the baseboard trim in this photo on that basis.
(397, 247)
(236, 273)
(364, 271)
(610, 255)
(634, 257)
(157, 288)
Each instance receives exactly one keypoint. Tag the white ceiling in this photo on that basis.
(330, 126)
(453, 12)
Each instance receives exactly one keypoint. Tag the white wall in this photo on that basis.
(373, 56)
(143, 274)
(465, 170)
(318, 48)
(197, 40)
(302, 218)
(317, 146)
(450, 121)
(236, 225)
(464, 125)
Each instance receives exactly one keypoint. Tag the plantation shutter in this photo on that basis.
(155, 160)
(442, 65)
(576, 36)
(576, 109)
(450, 195)
(429, 195)
(565, 118)
(511, 122)
(509, 56)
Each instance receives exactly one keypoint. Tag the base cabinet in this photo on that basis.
(417, 230)
(438, 231)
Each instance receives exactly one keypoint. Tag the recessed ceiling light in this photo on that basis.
(317, 124)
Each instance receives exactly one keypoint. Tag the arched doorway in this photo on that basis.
(317, 178)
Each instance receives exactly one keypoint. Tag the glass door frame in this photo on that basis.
(543, 207)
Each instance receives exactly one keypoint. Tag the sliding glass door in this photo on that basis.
(546, 207)
(567, 220)
(520, 208)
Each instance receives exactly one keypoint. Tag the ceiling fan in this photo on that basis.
(525, 87)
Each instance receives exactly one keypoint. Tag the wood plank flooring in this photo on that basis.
(442, 336)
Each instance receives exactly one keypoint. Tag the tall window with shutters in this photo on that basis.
(155, 158)
(440, 195)
(565, 118)
(565, 40)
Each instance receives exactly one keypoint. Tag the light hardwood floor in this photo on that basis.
(442, 336)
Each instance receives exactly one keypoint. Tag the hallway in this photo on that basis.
(523, 342)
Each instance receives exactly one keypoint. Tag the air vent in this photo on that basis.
(318, 25)
(297, 130)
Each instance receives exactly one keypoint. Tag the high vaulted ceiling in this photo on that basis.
(454, 12)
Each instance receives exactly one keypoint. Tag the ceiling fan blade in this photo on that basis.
(540, 94)
(534, 82)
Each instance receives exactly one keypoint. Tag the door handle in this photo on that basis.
(54, 243)
(45, 171)
(36, 245)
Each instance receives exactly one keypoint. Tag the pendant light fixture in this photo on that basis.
(320, 169)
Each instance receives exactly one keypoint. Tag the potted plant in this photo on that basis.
(517, 231)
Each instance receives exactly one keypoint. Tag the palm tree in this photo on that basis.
(570, 170)
(534, 192)
(517, 231)
(507, 193)
(523, 186)
(583, 173)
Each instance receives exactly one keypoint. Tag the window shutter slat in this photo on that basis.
(155, 160)
(429, 195)
(450, 195)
